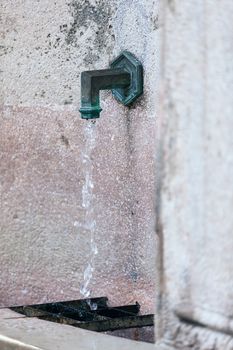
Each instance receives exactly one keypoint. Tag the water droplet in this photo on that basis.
(88, 272)
(77, 224)
(93, 306)
(24, 291)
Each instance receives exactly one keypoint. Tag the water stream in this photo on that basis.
(89, 223)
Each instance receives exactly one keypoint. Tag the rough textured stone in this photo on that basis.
(46, 46)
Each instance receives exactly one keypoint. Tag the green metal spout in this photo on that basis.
(124, 78)
(94, 81)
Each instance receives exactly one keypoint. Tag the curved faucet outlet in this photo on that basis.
(124, 78)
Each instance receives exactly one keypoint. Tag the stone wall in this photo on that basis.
(44, 245)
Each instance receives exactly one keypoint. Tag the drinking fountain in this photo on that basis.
(124, 78)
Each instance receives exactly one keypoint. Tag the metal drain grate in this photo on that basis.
(92, 314)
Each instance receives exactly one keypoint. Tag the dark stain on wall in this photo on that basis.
(155, 22)
(4, 50)
(98, 16)
(65, 140)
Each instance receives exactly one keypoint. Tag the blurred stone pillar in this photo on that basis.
(195, 205)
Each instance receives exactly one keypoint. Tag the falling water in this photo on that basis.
(89, 223)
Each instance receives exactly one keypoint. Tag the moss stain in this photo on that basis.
(85, 14)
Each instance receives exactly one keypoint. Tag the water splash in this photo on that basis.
(89, 223)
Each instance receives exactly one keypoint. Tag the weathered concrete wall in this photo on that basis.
(196, 196)
(45, 46)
